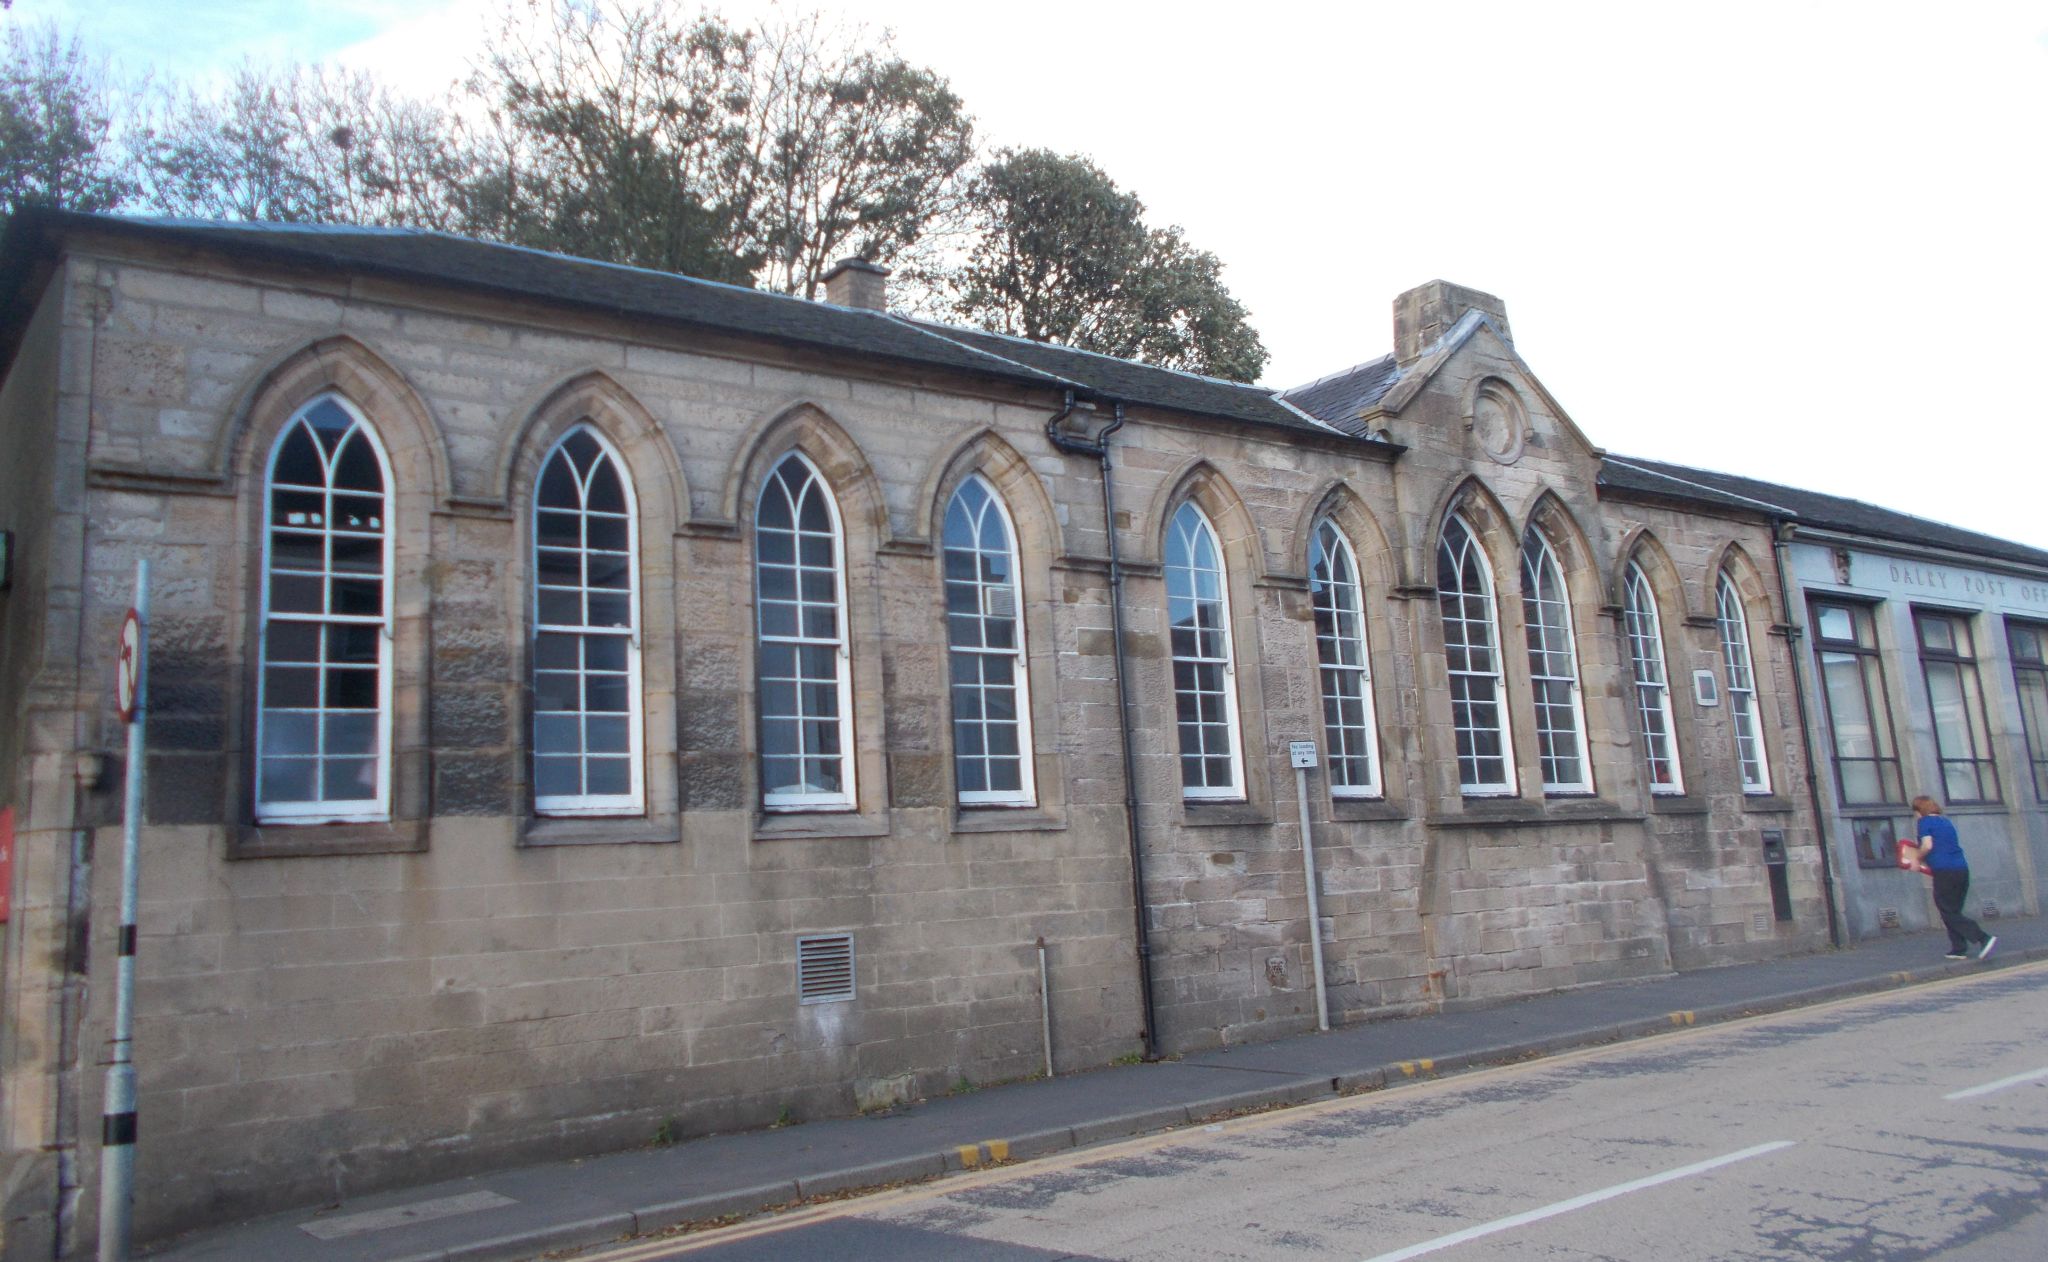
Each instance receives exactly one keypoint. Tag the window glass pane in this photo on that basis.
(290, 732)
(282, 780)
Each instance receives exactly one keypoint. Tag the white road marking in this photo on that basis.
(2000, 1085)
(1577, 1202)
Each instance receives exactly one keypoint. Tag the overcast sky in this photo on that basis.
(1797, 241)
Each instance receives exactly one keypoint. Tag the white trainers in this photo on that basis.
(1984, 952)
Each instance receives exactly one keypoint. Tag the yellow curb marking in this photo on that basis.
(1409, 1068)
(1681, 1018)
(970, 1155)
(998, 1150)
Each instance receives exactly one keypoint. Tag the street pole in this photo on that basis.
(117, 1120)
(1303, 755)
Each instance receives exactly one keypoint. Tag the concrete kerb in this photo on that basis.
(916, 1168)
(700, 1209)
(524, 1244)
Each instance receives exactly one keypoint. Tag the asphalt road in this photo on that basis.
(1900, 1126)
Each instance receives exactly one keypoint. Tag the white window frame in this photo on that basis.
(337, 810)
(633, 801)
(1189, 527)
(1489, 624)
(1732, 621)
(1334, 599)
(986, 604)
(1540, 574)
(846, 796)
(1644, 629)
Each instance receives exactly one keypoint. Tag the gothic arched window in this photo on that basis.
(806, 710)
(1204, 683)
(1553, 669)
(985, 651)
(1653, 682)
(1742, 704)
(1464, 587)
(323, 699)
(586, 623)
(1349, 730)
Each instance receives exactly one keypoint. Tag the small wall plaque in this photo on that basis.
(1706, 689)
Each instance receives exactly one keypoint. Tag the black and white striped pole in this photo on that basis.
(117, 1120)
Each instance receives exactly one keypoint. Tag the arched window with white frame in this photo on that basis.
(1479, 721)
(1350, 732)
(587, 715)
(1204, 670)
(1653, 682)
(804, 685)
(1553, 669)
(1733, 626)
(323, 693)
(985, 651)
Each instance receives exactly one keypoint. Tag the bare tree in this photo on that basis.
(300, 145)
(644, 133)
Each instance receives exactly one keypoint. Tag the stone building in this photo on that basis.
(590, 702)
(1925, 671)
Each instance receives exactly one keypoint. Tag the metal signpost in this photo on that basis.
(1302, 755)
(117, 1119)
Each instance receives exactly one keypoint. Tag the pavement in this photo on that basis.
(524, 1212)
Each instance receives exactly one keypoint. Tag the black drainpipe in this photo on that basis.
(1795, 617)
(1099, 451)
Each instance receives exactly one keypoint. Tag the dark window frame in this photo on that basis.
(1883, 720)
(1980, 761)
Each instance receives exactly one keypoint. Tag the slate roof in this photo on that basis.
(1806, 508)
(643, 294)
(1340, 397)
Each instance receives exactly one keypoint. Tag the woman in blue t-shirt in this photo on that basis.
(1941, 853)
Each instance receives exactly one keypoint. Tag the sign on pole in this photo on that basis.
(128, 666)
(1301, 753)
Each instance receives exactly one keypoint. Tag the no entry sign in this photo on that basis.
(129, 667)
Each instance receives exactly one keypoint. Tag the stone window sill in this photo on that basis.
(1008, 819)
(295, 841)
(1349, 810)
(1677, 804)
(1767, 804)
(564, 830)
(800, 824)
(1197, 813)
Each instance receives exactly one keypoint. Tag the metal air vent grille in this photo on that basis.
(824, 968)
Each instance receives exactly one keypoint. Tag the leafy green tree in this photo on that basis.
(57, 120)
(607, 133)
(1059, 253)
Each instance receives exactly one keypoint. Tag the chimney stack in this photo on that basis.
(1427, 312)
(858, 283)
